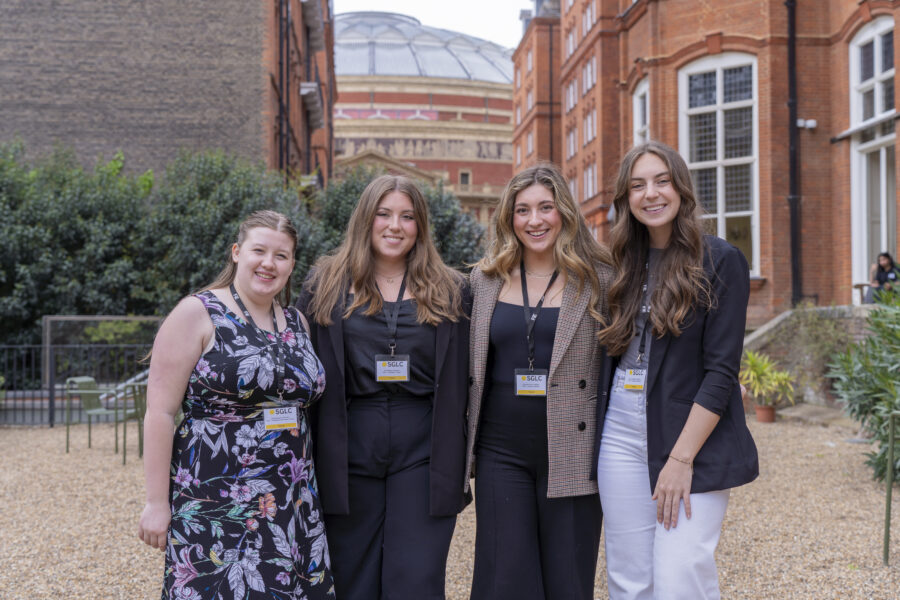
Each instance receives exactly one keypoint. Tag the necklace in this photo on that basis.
(387, 278)
(538, 275)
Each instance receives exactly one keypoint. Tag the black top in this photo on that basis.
(889, 276)
(366, 336)
(508, 348)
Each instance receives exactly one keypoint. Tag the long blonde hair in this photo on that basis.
(434, 285)
(261, 218)
(682, 281)
(576, 252)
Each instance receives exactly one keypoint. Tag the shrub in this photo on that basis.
(866, 378)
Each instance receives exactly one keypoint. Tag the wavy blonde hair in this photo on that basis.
(682, 281)
(575, 252)
(434, 285)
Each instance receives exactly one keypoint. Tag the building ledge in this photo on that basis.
(311, 95)
(312, 18)
(756, 282)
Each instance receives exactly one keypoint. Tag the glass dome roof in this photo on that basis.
(381, 43)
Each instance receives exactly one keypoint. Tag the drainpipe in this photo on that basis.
(794, 144)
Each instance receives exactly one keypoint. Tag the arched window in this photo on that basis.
(640, 107)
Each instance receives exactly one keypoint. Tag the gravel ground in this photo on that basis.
(810, 527)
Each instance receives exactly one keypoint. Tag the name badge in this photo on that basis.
(391, 368)
(284, 417)
(635, 378)
(531, 382)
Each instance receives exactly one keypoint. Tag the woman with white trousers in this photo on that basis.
(674, 440)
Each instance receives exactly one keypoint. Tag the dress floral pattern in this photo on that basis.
(246, 515)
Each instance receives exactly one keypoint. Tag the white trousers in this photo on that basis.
(643, 560)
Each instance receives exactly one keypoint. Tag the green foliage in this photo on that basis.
(866, 378)
(103, 241)
(764, 380)
(187, 233)
(68, 240)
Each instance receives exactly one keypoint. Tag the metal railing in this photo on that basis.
(33, 395)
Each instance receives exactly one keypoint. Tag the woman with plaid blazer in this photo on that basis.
(539, 301)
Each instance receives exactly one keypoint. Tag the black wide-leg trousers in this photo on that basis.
(527, 546)
(389, 547)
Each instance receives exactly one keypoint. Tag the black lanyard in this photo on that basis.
(644, 285)
(391, 317)
(279, 355)
(531, 316)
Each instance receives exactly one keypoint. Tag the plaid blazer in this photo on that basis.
(572, 391)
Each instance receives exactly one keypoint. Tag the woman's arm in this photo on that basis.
(177, 348)
(723, 342)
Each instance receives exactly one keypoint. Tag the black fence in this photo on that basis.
(34, 377)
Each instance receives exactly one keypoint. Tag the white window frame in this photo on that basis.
(518, 154)
(590, 181)
(571, 141)
(718, 63)
(860, 150)
(529, 101)
(529, 141)
(518, 114)
(518, 77)
(640, 131)
(529, 61)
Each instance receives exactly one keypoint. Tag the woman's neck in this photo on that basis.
(539, 264)
(253, 302)
(389, 268)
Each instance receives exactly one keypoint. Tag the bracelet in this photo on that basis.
(683, 461)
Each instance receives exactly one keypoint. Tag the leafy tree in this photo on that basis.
(866, 378)
(67, 239)
(193, 220)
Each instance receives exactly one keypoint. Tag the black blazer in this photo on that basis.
(701, 365)
(328, 417)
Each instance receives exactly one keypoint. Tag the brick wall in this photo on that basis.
(145, 77)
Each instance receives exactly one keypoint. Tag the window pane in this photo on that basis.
(738, 132)
(643, 104)
(738, 233)
(737, 84)
(888, 127)
(702, 89)
(867, 61)
(702, 132)
(868, 104)
(705, 189)
(887, 95)
(887, 51)
(737, 188)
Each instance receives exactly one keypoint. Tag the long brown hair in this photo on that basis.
(576, 252)
(682, 281)
(261, 218)
(434, 285)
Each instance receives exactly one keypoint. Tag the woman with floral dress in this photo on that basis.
(233, 501)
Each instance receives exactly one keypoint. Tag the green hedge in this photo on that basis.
(102, 241)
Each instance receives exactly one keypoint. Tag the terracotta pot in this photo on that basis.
(765, 414)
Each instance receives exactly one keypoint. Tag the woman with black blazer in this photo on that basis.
(539, 301)
(389, 321)
(674, 440)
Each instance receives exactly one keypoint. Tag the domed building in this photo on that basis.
(426, 102)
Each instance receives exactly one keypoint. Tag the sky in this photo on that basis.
(494, 20)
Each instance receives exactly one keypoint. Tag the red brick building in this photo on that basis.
(712, 79)
(427, 102)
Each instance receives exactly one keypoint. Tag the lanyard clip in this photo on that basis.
(531, 364)
(392, 345)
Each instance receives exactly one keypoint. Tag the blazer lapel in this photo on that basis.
(442, 340)
(570, 313)
(481, 326)
(336, 333)
(658, 348)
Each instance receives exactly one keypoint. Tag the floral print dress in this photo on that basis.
(246, 515)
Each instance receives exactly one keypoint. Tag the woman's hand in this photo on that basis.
(673, 486)
(153, 528)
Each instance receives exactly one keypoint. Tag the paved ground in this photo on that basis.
(809, 528)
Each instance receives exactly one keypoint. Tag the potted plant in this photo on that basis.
(768, 384)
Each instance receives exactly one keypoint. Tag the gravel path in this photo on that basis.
(810, 527)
